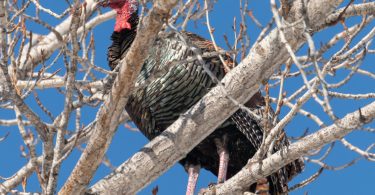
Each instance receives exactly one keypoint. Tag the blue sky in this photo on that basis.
(356, 179)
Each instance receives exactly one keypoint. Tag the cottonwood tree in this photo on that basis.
(300, 72)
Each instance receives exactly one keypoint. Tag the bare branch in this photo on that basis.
(48, 44)
(251, 172)
(111, 110)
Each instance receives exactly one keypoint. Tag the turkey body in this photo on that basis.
(169, 85)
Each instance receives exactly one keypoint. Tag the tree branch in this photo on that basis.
(46, 46)
(353, 10)
(110, 111)
(251, 172)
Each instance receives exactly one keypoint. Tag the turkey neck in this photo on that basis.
(121, 41)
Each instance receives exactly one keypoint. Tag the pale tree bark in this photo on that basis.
(109, 113)
(48, 44)
(252, 171)
(296, 23)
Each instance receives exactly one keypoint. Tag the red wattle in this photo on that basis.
(122, 25)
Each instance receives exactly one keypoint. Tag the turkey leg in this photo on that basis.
(193, 171)
(221, 145)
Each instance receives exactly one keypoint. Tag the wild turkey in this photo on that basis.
(160, 100)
